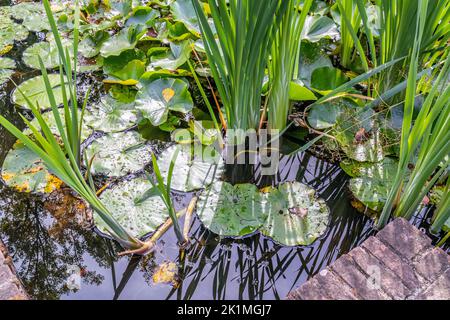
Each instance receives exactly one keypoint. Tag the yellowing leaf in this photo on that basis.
(168, 94)
(166, 273)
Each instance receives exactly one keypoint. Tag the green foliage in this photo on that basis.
(245, 31)
(283, 64)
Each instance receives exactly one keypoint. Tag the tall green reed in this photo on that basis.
(237, 49)
(427, 137)
(283, 64)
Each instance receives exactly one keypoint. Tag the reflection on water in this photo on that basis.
(209, 268)
(46, 249)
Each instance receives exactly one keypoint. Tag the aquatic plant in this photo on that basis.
(238, 48)
(426, 137)
(283, 65)
(63, 158)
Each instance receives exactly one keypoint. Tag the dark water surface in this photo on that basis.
(46, 249)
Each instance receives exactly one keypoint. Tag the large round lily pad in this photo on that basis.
(137, 214)
(6, 69)
(191, 172)
(295, 215)
(373, 193)
(25, 171)
(156, 98)
(10, 32)
(118, 154)
(111, 115)
(35, 90)
(32, 15)
(48, 53)
(372, 182)
(232, 211)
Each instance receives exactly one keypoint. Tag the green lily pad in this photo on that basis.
(323, 116)
(113, 64)
(6, 66)
(312, 57)
(90, 46)
(156, 98)
(35, 90)
(111, 115)
(129, 75)
(172, 59)
(32, 15)
(126, 39)
(295, 215)
(357, 135)
(383, 170)
(298, 92)
(10, 32)
(319, 27)
(327, 79)
(118, 154)
(190, 172)
(232, 211)
(142, 15)
(371, 192)
(371, 182)
(184, 11)
(48, 53)
(24, 171)
(290, 214)
(138, 217)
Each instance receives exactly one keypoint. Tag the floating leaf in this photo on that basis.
(111, 115)
(113, 64)
(90, 46)
(32, 15)
(6, 66)
(323, 115)
(139, 217)
(311, 58)
(295, 215)
(192, 172)
(327, 78)
(371, 182)
(36, 91)
(142, 15)
(383, 170)
(166, 273)
(48, 53)
(172, 59)
(371, 192)
(232, 211)
(118, 154)
(126, 39)
(151, 99)
(26, 172)
(184, 11)
(318, 27)
(10, 32)
(129, 75)
(298, 92)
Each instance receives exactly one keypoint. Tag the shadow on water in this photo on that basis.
(46, 249)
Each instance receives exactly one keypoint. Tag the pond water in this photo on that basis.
(46, 250)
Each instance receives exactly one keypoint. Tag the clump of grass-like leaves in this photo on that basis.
(237, 49)
(425, 140)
